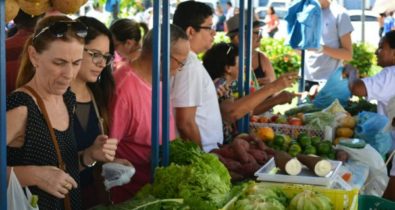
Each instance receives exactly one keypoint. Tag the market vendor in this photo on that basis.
(380, 86)
(221, 62)
(131, 110)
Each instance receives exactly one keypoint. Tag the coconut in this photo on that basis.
(11, 10)
(67, 6)
(34, 7)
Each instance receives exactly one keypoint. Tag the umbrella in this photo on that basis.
(381, 6)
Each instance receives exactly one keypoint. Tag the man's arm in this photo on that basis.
(342, 53)
(186, 124)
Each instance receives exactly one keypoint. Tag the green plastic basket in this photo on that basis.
(369, 202)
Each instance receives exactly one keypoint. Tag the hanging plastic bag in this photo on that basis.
(335, 88)
(16, 197)
(370, 128)
(377, 180)
(116, 174)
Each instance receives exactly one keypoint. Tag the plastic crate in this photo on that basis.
(341, 199)
(369, 202)
(293, 131)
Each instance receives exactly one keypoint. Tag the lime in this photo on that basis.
(304, 141)
(294, 149)
(315, 140)
(279, 140)
(310, 150)
(324, 148)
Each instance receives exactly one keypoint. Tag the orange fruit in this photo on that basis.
(265, 133)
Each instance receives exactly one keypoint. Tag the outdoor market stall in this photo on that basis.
(212, 180)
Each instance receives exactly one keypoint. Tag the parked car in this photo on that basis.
(371, 26)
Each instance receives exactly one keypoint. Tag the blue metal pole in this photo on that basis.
(165, 82)
(240, 123)
(248, 49)
(155, 89)
(301, 81)
(3, 148)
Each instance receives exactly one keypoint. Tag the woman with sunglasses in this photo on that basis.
(40, 143)
(260, 63)
(221, 62)
(127, 37)
(94, 88)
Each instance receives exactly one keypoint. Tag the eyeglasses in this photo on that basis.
(98, 58)
(59, 29)
(208, 28)
(180, 64)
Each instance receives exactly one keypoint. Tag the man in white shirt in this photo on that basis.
(193, 93)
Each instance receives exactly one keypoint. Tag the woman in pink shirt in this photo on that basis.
(271, 21)
(131, 110)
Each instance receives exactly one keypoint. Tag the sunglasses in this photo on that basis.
(59, 29)
(98, 58)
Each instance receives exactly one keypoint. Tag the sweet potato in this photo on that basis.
(231, 165)
(341, 155)
(240, 148)
(225, 152)
(248, 169)
(259, 155)
(261, 145)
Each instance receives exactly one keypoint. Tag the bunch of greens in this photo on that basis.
(197, 177)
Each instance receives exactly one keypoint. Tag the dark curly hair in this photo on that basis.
(218, 57)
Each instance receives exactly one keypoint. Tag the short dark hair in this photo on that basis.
(191, 13)
(390, 38)
(176, 33)
(218, 57)
(229, 3)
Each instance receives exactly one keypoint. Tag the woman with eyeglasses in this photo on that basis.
(94, 88)
(221, 62)
(127, 36)
(41, 149)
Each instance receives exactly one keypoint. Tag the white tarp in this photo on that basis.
(384, 6)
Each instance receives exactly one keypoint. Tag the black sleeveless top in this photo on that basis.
(39, 150)
(259, 71)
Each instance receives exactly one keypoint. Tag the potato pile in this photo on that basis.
(244, 156)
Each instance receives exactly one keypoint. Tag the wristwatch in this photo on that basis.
(85, 165)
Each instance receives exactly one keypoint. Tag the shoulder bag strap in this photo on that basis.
(61, 164)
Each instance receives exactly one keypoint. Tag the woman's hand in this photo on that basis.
(103, 149)
(285, 97)
(286, 80)
(54, 181)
